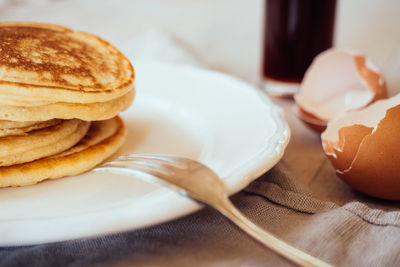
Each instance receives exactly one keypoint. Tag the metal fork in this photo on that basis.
(198, 182)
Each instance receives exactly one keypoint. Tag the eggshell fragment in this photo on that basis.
(336, 82)
(350, 138)
(311, 121)
(364, 147)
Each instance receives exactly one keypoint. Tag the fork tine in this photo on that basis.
(145, 167)
(159, 159)
(157, 176)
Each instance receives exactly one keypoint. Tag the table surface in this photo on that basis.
(225, 35)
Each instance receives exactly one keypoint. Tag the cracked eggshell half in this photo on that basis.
(336, 82)
(364, 147)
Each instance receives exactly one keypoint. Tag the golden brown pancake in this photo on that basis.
(87, 112)
(42, 64)
(12, 128)
(87, 156)
(7, 124)
(42, 143)
(60, 93)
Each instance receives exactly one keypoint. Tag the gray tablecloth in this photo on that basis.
(352, 234)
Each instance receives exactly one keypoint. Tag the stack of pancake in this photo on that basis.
(60, 95)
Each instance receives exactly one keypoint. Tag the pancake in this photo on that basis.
(60, 94)
(88, 156)
(41, 143)
(41, 64)
(87, 112)
(13, 128)
(98, 131)
(6, 124)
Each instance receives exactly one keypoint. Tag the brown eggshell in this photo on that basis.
(373, 78)
(346, 77)
(312, 122)
(343, 152)
(375, 169)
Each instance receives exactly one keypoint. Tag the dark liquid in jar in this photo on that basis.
(295, 32)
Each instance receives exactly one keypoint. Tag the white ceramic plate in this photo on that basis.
(181, 110)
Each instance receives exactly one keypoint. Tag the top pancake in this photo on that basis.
(42, 64)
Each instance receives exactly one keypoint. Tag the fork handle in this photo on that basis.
(268, 240)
